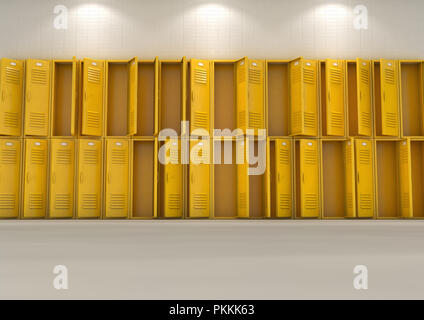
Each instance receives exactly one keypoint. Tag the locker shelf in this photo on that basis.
(278, 98)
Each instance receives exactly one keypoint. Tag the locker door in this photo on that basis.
(74, 104)
(310, 100)
(156, 96)
(256, 100)
(35, 187)
(117, 178)
(363, 68)
(37, 97)
(92, 104)
(268, 186)
(200, 102)
(364, 178)
(132, 97)
(62, 178)
(11, 81)
(241, 76)
(242, 180)
(309, 188)
(349, 169)
(404, 148)
(10, 173)
(296, 101)
(389, 97)
(283, 169)
(173, 187)
(199, 184)
(89, 178)
(335, 83)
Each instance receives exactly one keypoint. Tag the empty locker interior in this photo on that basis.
(278, 98)
(144, 175)
(257, 182)
(411, 74)
(225, 179)
(224, 112)
(417, 176)
(64, 99)
(147, 97)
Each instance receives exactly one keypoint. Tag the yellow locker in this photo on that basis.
(132, 96)
(364, 178)
(11, 72)
(349, 170)
(283, 171)
(89, 178)
(309, 173)
(303, 97)
(242, 179)
(10, 174)
(200, 94)
(363, 86)
(74, 102)
(37, 95)
(117, 178)
(92, 104)
(173, 186)
(335, 85)
(389, 97)
(242, 93)
(62, 164)
(199, 175)
(256, 101)
(35, 187)
(404, 150)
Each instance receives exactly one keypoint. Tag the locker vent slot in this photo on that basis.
(37, 156)
(295, 75)
(349, 200)
(37, 120)
(242, 119)
(89, 201)
(7, 201)
(365, 118)
(310, 157)
(297, 120)
(309, 120)
(93, 119)
(173, 155)
(255, 120)
(365, 76)
(311, 201)
(391, 119)
(39, 76)
(285, 201)
(119, 156)
(91, 156)
(390, 77)
(200, 201)
(36, 201)
(93, 75)
(365, 201)
(174, 201)
(365, 157)
(200, 76)
(200, 120)
(309, 76)
(404, 155)
(337, 119)
(243, 200)
(284, 156)
(11, 119)
(405, 200)
(12, 75)
(255, 75)
(64, 156)
(9, 156)
(63, 201)
(336, 76)
(117, 201)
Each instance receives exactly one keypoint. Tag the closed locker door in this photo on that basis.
(404, 152)
(62, 160)
(364, 178)
(349, 171)
(199, 184)
(283, 169)
(132, 96)
(363, 68)
(309, 174)
(242, 179)
(256, 100)
(117, 178)
(389, 97)
(241, 96)
(10, 159)
(296, 100)
(12, 72)
(35, 188)
(310, 99)
(335, 83)
(37, 95)
(92, 103)
(89, 178)
(173, 186)
(200, 95)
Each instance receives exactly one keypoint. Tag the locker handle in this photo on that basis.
(192, 95)
(27, 177)
(358, 177)
(54, 177)
(360, 95)
(191, 178)
(85, 95)
(384, 96)
(3, 95)
(303, 177)
(278, 177)
(329, 97)
(29, 96)
(81, 177)
(108, 177)
(167, 177)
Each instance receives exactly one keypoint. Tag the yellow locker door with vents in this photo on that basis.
(200, 94)
(35, 187)
(10, 163)
(241, 97)
(173, 186)
(283, 169)
(92, 104)
(310, 98)
(335, 84)
(363, 85)
(349, 171)
(309, 174)
(199, 175)
(117, 178)
(389, 97)
(256, 74)
(37, 95)
(404, 152)
(62, 160)
(132, 96)
(74, 105)
(12, 73)
(89, 178)
(242, 179)
(364, 178)
(296, 101)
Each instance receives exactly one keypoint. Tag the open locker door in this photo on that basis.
(296, 100)
(364, 178)
(255, 96)
(173, 184)
(132, 96)
(200, 95)
(242, 179)
(309, 172)
(242, 94)
(283, 169)
(199, 184)
(363, 86)
(310, 97)
(335, 84)
(74, 102)
(389, 97)
(349, 171)
(404, 154)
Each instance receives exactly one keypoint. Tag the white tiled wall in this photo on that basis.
(212, 29)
